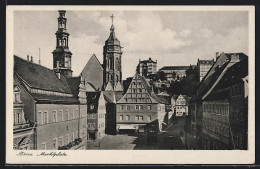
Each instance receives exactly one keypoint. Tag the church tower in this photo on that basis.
(62, 54)
(112, 53)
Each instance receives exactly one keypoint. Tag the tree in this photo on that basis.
(161, 75)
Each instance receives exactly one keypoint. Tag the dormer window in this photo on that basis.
(92, 107)
(17, 92)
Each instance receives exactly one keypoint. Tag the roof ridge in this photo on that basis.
(32, 62)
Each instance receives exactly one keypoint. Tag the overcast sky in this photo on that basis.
(171, 37)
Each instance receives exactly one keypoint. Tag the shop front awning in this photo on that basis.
(127, 127)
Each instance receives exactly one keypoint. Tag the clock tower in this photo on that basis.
(112, 53)
(62, 54)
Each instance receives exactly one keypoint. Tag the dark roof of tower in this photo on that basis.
(112, 40)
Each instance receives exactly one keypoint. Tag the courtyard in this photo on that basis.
(169, 139)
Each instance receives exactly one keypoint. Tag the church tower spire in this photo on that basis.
(112, 53)
(62, 54)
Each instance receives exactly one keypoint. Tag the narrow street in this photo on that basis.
(168, 139)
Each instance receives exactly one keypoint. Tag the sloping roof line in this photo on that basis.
(217, 81)
(174, 67)
(35, 75)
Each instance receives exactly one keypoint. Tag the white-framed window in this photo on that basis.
(54, 143)
(44, 146)
(67, 115)
(136, 107)
(121, 107)
(67, 139)
(149, 118)
(140, 107)
(61, 141)
(141, 118)
(61, 115)
(40, 115)
(93, 116)
(127, 117)
(136, 118)
(127, 107)
(71, 137)
(72, 114)
(92, 107)
(45, 117)
(54, 116)
(89, 125)
(93, 125)
(121, 117)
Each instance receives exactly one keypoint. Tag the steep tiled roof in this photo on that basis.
(74, 83)
(44, 98)
(93, 73)
(215, 71)
(164, 99)
(109, 96)
(234, 74)
(148, 93)
(39, 77)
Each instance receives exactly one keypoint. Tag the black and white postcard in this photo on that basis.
(130, 85)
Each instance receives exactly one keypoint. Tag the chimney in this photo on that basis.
(28, 58)
(31, 59)
(217, 55)
(149, 58)
(234, 58)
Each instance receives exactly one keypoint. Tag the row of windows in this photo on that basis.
(137, 118)
(217, 109)
(91, 125)
(138, 83)
(137, 107)
(139, 99)
(43, 117)
(101, 125)
(61, 141)
(93, 116)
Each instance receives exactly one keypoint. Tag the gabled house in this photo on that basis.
(23, 131)
(225, 109)
(96, 109)
(139, 106)
(93, 74)
(51, 104)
